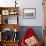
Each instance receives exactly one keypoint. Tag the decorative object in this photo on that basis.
(13, 12)
(15, 30)
(6, 21)
(5, 12)
(29, 13)
(7, 34)
(15, 3)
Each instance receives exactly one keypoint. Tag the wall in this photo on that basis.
(27, 4)
(39, 13)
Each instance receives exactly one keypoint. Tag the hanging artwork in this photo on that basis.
(29, 13)
(5, 12)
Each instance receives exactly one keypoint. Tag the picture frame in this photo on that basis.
(29, 13)
(5, 12)
(12, 12)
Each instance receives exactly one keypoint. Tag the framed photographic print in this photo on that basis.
(12, 12)
(29, 13)
(5, 12)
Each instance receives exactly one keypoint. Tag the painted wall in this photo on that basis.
(27, 4)
(39, 13)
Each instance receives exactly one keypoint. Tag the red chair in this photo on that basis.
(29, 33)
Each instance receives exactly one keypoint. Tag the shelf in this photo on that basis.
(11, 41)
(7, 12)
(9, 20)
(10, 26)
(5, 8)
